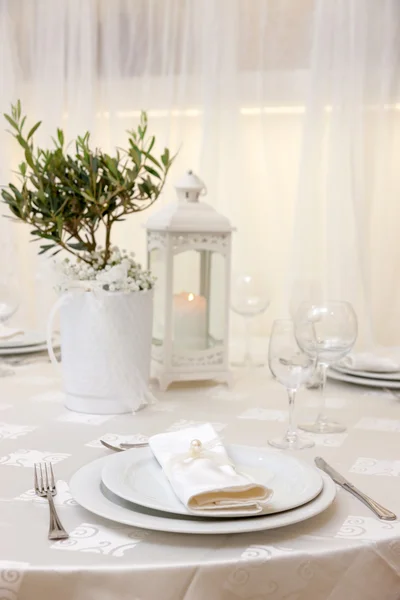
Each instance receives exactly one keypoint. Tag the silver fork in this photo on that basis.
(45, 486)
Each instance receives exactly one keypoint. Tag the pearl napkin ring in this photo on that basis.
(198, 450)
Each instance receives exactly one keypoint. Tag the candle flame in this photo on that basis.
(190, 297)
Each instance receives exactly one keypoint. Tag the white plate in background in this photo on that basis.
(27, 338)
(365, 381)
(24, 350)
(392, 376)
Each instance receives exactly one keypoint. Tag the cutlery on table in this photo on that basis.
(380, 511)
(121, 447)
(45, 487)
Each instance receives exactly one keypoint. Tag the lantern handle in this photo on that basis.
(204, 191)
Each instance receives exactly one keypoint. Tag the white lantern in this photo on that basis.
(189, 251)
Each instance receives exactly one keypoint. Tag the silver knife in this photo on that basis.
(380, 511)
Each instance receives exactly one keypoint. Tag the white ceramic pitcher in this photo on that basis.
(105, 349)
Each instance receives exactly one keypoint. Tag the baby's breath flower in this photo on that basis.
(123, 272)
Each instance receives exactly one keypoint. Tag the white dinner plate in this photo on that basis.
(25, 350)
(369, 382)
(392, 376)
(136, 476)
(27, 338)
(87, 489)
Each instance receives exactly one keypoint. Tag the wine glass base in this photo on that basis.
(297, 443)
(323, 427)
(248, 365)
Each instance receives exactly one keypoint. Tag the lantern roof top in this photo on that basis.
(189, 214)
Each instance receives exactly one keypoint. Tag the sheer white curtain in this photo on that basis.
(288, 109)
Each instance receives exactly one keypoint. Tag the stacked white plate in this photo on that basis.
(27, 342)
(368, 378)
(131, 488)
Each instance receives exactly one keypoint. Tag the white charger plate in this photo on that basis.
(87, 489)
(365, 381)
(392, 376)
(27, 338)
(137, 477)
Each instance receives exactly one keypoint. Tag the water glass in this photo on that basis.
(325, 332)
(292, 367)
(8, 306)
(249, 299)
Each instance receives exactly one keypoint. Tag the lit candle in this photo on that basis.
(190, 321)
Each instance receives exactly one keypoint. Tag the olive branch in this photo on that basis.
(66, 197)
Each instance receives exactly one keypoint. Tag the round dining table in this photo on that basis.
(344, 553)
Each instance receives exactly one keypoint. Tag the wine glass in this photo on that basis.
(326, 332)
(249, 299)
(8, 306)
(292, 367)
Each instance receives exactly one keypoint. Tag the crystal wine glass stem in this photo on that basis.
(247, 341)
(291, 433)
(321, 418)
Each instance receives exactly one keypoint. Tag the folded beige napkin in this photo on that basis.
(203, 476)
(380, 361)
(7, 333)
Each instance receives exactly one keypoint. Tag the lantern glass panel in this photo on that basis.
(156, 261)
(217, 300)
(198, 300)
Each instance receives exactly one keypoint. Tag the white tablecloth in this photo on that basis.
(346, 553)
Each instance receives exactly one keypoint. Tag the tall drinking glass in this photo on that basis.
(8, 306)
(326, 332)
(292, 367)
